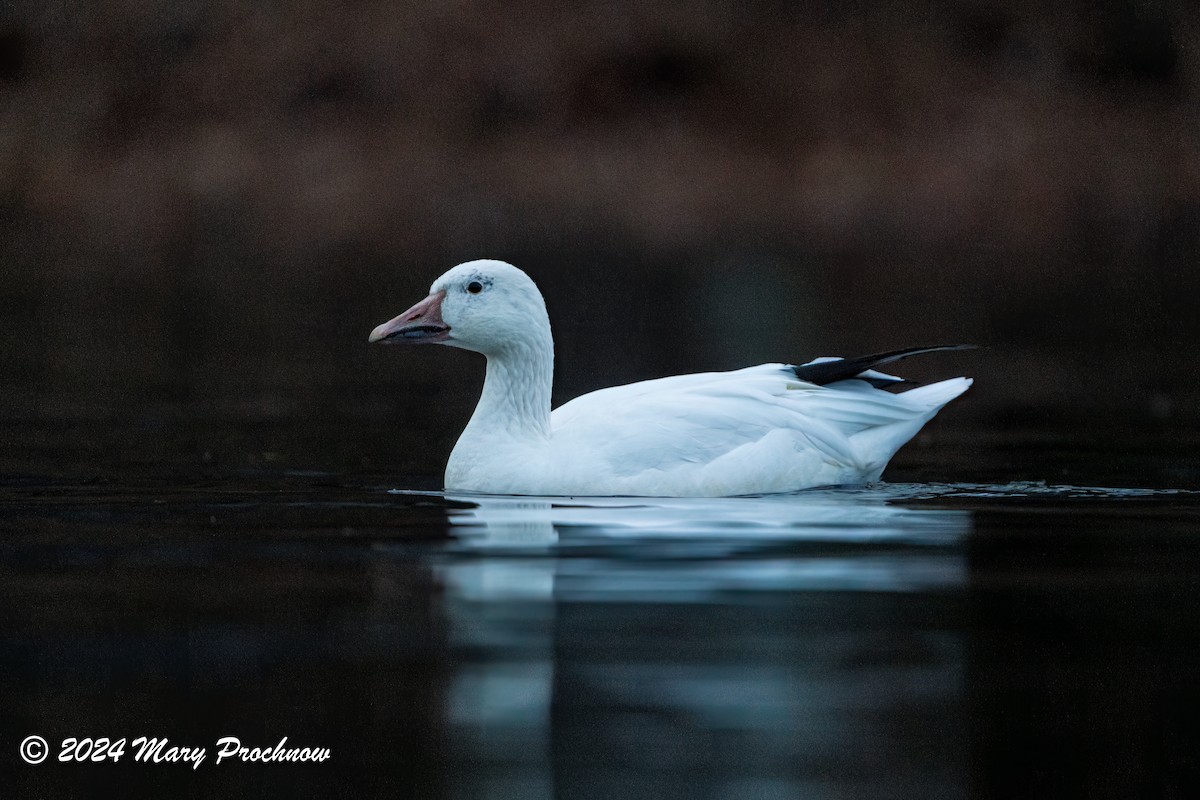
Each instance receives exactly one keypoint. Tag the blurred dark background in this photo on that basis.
(206, 206)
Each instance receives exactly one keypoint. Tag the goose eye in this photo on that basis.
(474, 287)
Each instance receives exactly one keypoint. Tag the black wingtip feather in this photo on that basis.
(831, 371)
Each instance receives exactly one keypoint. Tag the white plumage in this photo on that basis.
(750, 431)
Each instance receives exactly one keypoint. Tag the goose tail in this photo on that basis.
(876, 446)
(936, 395)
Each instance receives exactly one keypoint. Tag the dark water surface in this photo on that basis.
(907, 640)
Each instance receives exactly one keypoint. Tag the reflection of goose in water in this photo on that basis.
(839, 539)
(574, 624)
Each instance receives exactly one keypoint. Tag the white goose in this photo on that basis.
(765, 429)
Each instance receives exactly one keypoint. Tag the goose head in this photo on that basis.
(486, 306)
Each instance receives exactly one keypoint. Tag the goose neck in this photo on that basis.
(516, 390)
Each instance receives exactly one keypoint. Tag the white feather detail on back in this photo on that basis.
(752, 430)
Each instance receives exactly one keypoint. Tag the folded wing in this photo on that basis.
(697, 419)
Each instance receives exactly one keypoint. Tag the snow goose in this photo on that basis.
(765, 429)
